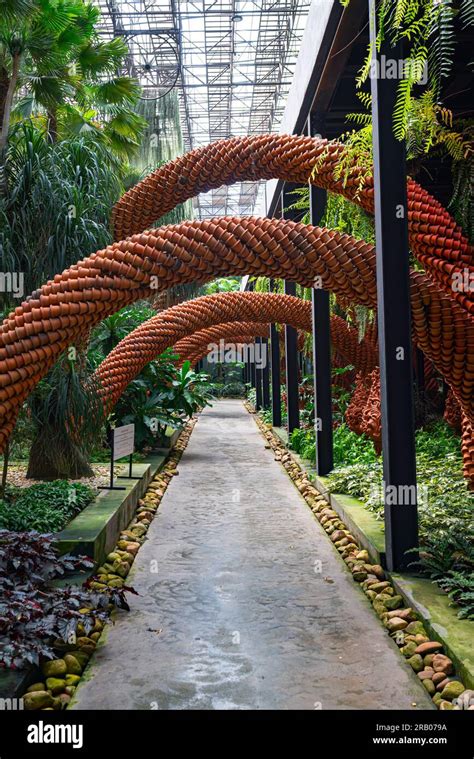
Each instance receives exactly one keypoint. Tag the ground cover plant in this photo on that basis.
(446, 509)
(46, 507)
(36, 615)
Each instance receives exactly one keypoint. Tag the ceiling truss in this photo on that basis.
(232, 62)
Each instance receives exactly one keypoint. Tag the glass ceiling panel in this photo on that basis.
(232, 62)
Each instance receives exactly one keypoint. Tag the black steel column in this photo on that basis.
(394, 331)
(321, 341)
(420, 418)
(275, 369)
(291, 340)
(265, 373)
(291, 362)
(253, 378)
(258, 378)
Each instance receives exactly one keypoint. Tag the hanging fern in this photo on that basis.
(427, 28)
(442, 42)
(462, 201)
(467, 13)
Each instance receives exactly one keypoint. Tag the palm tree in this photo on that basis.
(51, 52)
(33, 33)
(88, 97)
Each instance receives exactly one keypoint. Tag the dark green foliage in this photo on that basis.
(68, 416)
(436, 440)
(348, 446)
(302, 441)
(115, 327)
(460, 588)
(47, 507)
(448, 559)
(33, 612)
(446, 509)
(58, 206)
(161, 396)
(233, 389)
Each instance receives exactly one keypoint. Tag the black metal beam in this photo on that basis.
(394, 328)
(275, 375)
(291, 335)
(321, 340)
(252, 373)
(258, 378)
(291, 365)
(420, 417)
(275, 368)
(265, 373)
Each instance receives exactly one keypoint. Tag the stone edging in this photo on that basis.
(61, 676)
(434, 669)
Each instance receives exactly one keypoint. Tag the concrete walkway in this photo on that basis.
(231, 612)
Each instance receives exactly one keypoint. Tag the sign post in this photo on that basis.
(122, 444)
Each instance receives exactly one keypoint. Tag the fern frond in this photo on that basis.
(400, 111)
(467, 13)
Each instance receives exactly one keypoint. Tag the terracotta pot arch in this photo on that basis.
(435, 238)
(58, 314)
(196, 346)
(173, 325)
(344, 339)
(150, 338)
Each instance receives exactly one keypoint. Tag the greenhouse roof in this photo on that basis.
(231, 61)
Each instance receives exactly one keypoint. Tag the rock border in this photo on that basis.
(62, 675)
(433, 668)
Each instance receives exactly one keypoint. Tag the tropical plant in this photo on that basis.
(67, 415)
(47, 507)
(460, 588)
(303, 442)
(50, 50)
(34, 613)
(428, 30)
(58, 207)
(30, 36)
(161, 396)
(187, 393)
(222, 285)
(445, 511)
(353, 448)
(140, 402)
(232, 389)
(448, 559)
(115, 327)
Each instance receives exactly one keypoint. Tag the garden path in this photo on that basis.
(231, 612)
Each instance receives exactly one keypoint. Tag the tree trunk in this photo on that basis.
(50, 461)
(4, 85)
(6, 456)
(8, 102)
(52, 125)
(6, 110)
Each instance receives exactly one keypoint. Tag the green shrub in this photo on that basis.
(352, 448)
(437, 439)
(445, 517)
(303, 442)
(47, 507)
(234, 389)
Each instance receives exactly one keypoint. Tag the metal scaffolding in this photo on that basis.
(231, 60)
